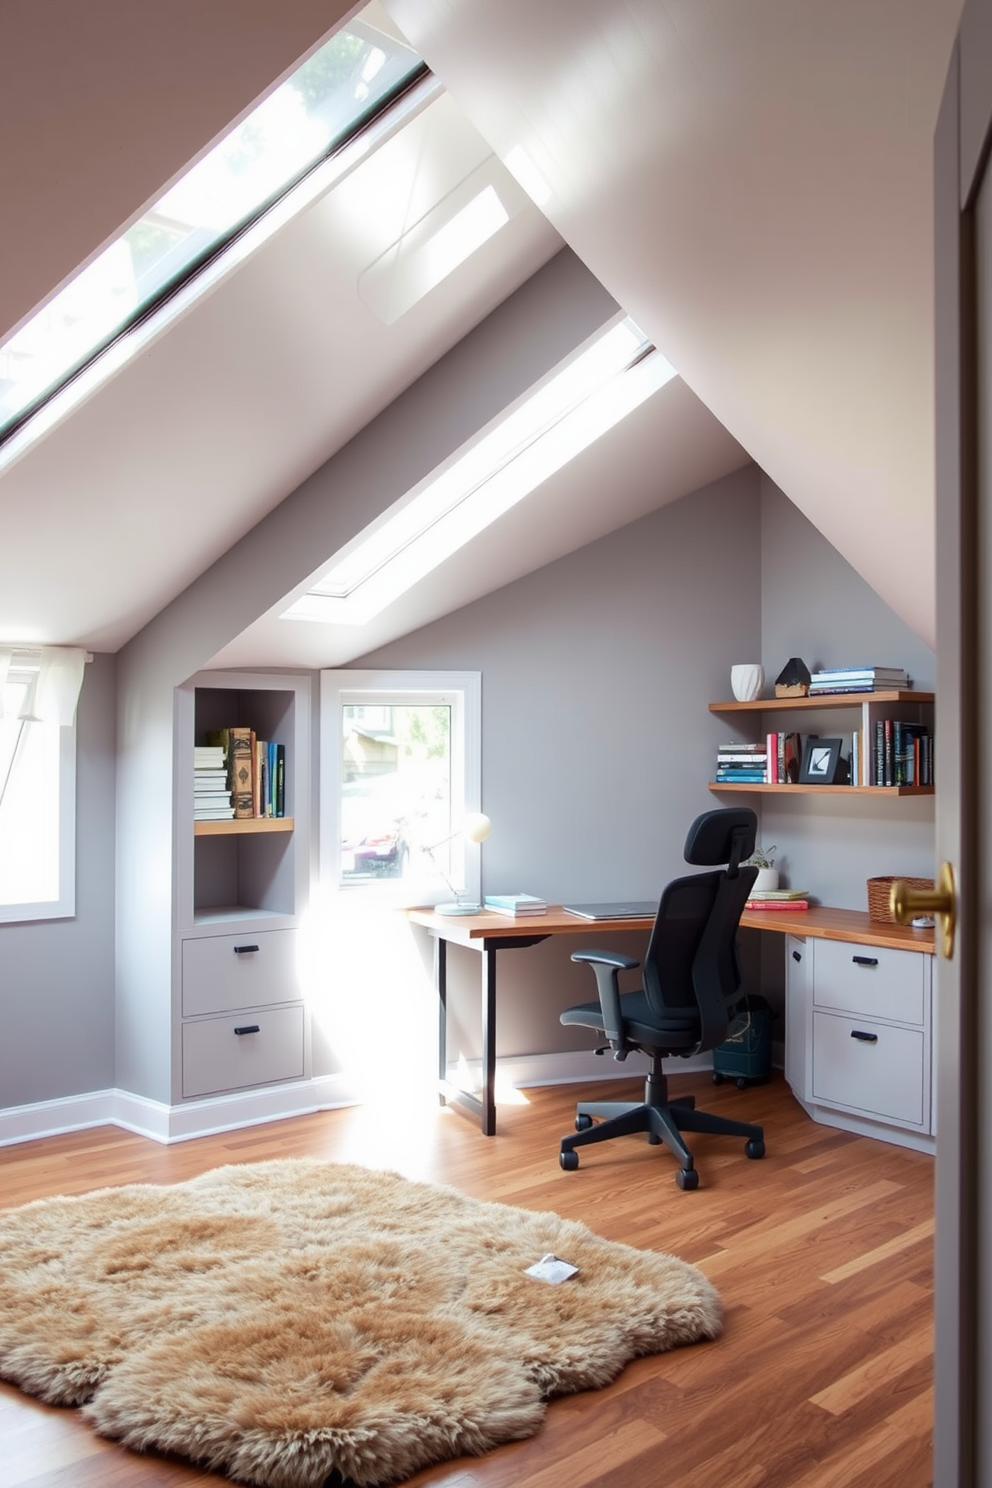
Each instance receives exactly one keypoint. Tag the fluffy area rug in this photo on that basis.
(295, 1322)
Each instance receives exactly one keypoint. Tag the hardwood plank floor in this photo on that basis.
(822, 1252)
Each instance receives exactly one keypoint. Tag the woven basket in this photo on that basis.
(879, 890)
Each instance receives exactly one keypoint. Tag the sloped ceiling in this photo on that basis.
(753, 183)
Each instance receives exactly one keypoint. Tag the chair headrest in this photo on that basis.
(722, 836)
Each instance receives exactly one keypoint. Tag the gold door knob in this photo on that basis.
(941, 901)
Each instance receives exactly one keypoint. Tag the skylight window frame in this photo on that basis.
(343, 153)
(354, 601)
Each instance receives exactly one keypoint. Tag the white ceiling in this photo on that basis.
(753, 183)
(750, 182)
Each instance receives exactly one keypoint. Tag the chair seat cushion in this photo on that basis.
(641, 1025)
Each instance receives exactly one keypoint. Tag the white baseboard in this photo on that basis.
(202, 1118)
(169, 1124)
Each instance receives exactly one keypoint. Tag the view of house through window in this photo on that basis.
(401, 766)
(395, 790)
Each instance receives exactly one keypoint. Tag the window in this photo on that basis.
(400, 771)
(351, 79)
(37, 802)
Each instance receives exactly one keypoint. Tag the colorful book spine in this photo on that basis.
(240, 742)
(777, 904)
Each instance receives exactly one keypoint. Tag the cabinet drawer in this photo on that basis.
(224, 972)
(882, 1073)
(870, 981)
(217, 1057)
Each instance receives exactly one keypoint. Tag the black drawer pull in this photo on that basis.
(243, 950)
(864, 1038)
(796, 956)
(249, 1028)
(865, 960)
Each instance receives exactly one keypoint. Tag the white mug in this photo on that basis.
(746, 681)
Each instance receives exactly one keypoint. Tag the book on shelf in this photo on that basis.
(727, 757)
(255, 773)
(208, 779)
(777, 904)
(858, 679)
(209, 756)
(753, 777)
(516, 904)
(213, 813)
(241, 770)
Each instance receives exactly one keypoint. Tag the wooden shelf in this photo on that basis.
(831, 700)
(823, 790)
(243, 824)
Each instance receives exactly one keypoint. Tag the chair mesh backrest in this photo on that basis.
(691, 964)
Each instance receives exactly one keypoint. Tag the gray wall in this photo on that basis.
(57, 977)
(814, 605)
(596, 739)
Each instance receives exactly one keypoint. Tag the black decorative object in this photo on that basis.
(793, 679)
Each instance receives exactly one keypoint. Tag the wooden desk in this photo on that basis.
(853, 925)
(488, 933)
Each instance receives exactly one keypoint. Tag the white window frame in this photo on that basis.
(64, 906)
(462, 692)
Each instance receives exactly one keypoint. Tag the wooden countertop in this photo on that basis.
(818, 921)
(823, 923)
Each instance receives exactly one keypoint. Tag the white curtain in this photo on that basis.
(56, 676)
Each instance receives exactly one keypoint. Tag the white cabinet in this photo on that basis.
(241, 888)
(859, 1037)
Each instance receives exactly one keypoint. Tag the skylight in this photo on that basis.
(531, 440)
(333, 95)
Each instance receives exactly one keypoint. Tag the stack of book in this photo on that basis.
(779, 899)
(516, 904)
(256, 771)
(742, 763)
(211, 789)
(785, 753)
(858, 679)
(903, 754)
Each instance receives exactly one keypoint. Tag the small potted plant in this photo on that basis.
(763, 858)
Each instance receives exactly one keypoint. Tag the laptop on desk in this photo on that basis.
(630, 909)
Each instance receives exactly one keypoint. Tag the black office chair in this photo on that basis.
(692, 990)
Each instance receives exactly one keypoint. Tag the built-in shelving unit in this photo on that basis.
(873, 706)
(244, 825)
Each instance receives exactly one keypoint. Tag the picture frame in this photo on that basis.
(821, 762)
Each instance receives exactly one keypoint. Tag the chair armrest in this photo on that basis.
(607, 966)
(608, 958)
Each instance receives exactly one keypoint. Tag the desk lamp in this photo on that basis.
(476, 828)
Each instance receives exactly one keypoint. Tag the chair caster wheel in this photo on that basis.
(717, 1078)
(687, 1178)
(583, 1122)
(741, 1083)
(754, 1147)
(569, 1161)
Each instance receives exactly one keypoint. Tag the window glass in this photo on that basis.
(327, 100)
(395, 790)
(37, 805)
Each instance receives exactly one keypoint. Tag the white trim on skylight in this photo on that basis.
(533, 439)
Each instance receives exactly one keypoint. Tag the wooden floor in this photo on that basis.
(822, 1252)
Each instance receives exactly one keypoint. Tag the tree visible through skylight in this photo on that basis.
(325, 102)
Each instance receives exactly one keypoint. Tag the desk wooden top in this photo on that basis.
(823, 923)
(468, 929)
(818, 921)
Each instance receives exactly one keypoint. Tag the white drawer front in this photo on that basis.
(217, 1057)
(882, 1072)
(224, 972)
(870, 981)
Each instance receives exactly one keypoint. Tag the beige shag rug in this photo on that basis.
(286, 1322)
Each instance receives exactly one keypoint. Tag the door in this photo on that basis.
(963, 202)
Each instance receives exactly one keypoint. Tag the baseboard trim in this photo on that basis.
(168, 1124)
(214, 1114)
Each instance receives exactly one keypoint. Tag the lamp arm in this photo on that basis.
(430, 853)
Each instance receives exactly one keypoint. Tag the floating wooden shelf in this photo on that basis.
(243, 824)
(830, 700)
(823, 790)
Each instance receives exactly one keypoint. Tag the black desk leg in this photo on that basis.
(441, 987)
(489, 1042)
